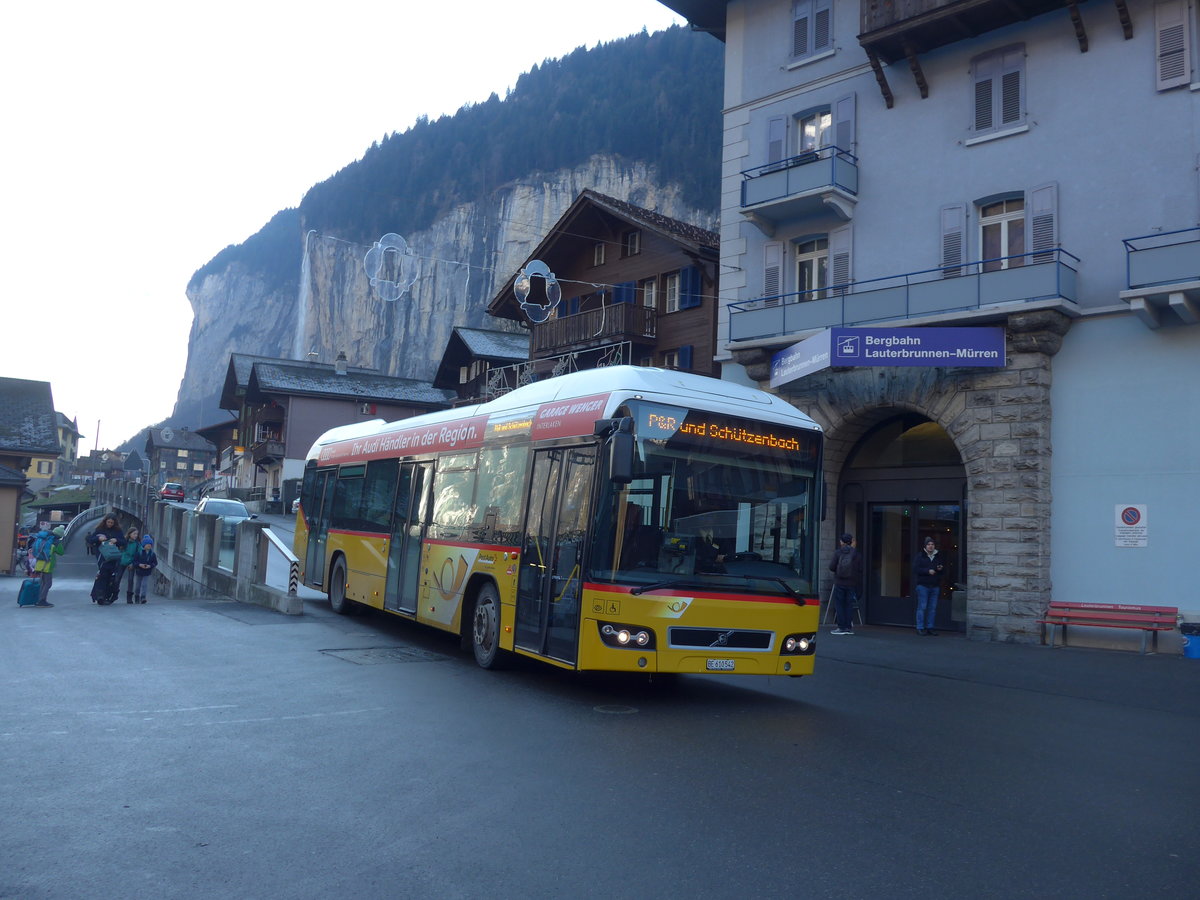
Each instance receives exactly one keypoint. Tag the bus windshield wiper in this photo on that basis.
(671, 582)
(693, 582)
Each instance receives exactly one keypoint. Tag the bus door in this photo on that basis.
(408, 531)
(318, 526)
(548, 582)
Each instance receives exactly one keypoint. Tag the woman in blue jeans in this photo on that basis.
(927, 577)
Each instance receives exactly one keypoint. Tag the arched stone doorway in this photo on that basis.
(902, 481)
(999, 421)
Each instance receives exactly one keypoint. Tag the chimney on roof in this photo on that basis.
(339, 364)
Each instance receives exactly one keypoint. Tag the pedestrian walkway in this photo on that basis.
(1154, 681)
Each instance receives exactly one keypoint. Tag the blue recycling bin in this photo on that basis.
(1191, 639)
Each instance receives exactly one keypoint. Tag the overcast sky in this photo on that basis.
(141, 138)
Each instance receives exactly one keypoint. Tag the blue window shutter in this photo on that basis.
(572, 306)
(685, 357)
(954, 240)
(1041, 222)
(689, 287)
(624, 292)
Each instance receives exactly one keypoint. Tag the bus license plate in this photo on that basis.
(719, 665)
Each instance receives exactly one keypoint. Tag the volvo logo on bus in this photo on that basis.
(722, 639)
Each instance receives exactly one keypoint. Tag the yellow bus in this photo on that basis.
(617, 519)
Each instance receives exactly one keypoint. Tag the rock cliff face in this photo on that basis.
(461, 261)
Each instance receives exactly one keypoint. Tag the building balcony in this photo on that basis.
(976, 292)
(267, 453)
(895, 29)
(813, 183)
(615, 322)
(1163, 277)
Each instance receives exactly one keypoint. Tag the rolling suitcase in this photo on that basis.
(31, 592)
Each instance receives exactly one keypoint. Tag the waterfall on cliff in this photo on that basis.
(302, 300)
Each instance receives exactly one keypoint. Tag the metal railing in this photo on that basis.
(502, 379)
(196, 556)
(623, 321)
(1169, 257)
(1023, 278)
(807, 171)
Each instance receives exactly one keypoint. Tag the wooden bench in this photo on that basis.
(1149, 619)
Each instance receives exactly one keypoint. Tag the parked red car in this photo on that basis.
(172, 490)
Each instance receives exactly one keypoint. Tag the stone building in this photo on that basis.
(953, 165)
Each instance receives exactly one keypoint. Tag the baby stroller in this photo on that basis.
(107, 585)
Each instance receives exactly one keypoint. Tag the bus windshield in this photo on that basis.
(716, 502)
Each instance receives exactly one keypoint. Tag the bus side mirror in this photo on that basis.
(620, 448)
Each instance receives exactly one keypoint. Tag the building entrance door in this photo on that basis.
(903, 482)
(895, 535)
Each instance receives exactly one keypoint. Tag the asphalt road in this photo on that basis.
(202, 748)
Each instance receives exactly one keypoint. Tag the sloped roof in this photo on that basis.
(309, 379)
(68, 424)
(500, 346)
(702, 15)
(176, 439)
(11, 477)
(70, 497)
(673, 228)
(28, 423)
(469, 344)
(237, 374)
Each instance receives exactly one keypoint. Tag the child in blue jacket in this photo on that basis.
(144, 562)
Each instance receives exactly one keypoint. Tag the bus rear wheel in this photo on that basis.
(341, 604)
(485, 627)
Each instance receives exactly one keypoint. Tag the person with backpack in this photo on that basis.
(144, 563)
(847, 569)
(47, 547)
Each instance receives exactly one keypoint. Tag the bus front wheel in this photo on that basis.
(337, 590)
(485, 627)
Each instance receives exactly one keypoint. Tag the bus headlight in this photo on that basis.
(626, 636)
(798, 645)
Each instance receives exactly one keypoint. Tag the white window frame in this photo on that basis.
(1003, 221)
(998, 90)
(649, 288)
(670, 359)
(824, 136)
(598, 254)
(812, 28)
(631, 243)
(671, 286)
(817, 261)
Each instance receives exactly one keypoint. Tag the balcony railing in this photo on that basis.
(614, 322)
(797, 187)
(1172, 257)
(267, 452)
(1043, 276)
(1163, 274)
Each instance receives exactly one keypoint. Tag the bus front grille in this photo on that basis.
(719, 639)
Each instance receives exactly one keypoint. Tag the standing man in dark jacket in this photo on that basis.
(927, 577)
(847, 569)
